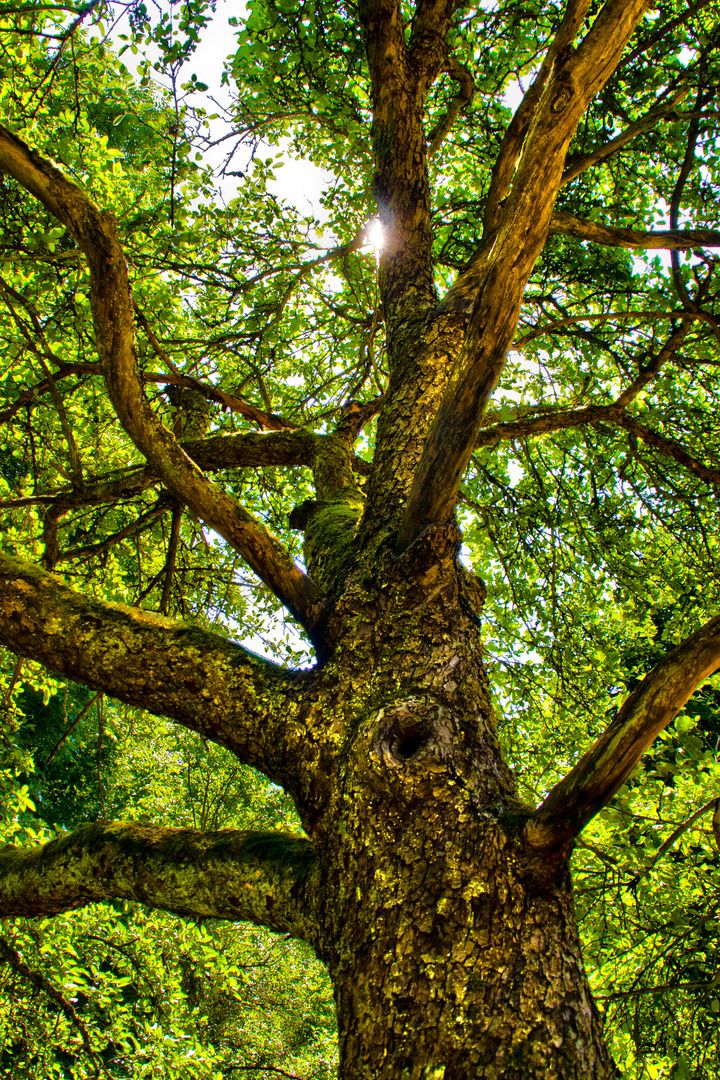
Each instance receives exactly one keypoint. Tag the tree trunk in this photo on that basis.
(469, 966)
(453, 947)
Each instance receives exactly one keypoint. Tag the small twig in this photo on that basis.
(152, 338)
(69, 730)
(609, 859)
(265, 1068)
(12, 295)
(157, 510)
(40, 982)
(13, 681)
(656, 989)
(674, 835)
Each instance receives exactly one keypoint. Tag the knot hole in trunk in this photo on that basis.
(403, 731)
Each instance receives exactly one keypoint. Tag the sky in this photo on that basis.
(297, 182)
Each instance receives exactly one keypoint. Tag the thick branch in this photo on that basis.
(507, 261)
(576, 799)
(265, 878)
(615, 236)
(199, 679)
(519, 125)
(96, 234)
(400, 184)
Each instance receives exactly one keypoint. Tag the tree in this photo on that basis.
(431, 877)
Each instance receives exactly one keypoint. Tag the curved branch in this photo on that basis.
(96, 234)
(615, 236)
(212, 393)
(266, 878)
(463, 97)
(576, 799)
(201, 680)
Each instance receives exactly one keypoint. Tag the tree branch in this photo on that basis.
(171, 558)
(506, 261)
(676, 197)
(602, 316)
(580, 162)
(576, 799)
(518, 127)
(156, 511)
(615, 236)
(250, 449)
(398, 87)
(266, 878)
(671, 448)
(463, 97)
(96, 235)
(562, 419)
(203, 681)
(670, 842)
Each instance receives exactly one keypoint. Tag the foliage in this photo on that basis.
(598, 542)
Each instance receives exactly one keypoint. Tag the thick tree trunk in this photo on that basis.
(469, 966)
(452, 945)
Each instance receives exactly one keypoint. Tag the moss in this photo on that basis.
(329, 541)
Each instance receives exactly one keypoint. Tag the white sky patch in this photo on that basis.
(299, 183)
(515, 472)
(513, 94)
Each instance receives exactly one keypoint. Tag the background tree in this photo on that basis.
(432, 872)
